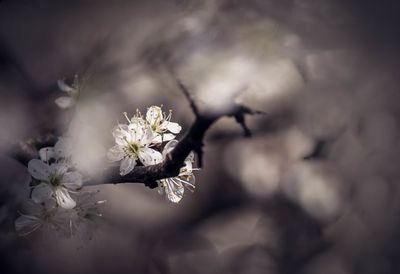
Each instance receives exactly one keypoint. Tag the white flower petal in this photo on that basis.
(147, 136)
(190, 157)
(187, 169)
(29, 207)
(174, 127)
(64, 102)
(137, 123)
(156, 139)
(189, 162)
(122, 134)
(26, 224)
(38, 169)
(47, 153)
(154, 115)
(150, 156)
(116, 153)
(127, 165)
(140, 132)
(63, 198)
(169, 147)
(41, 193)
(64, 87)
(168, 137)
(58, 168)
(72, 180)
(174, 190)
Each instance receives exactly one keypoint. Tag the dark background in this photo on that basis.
(315, 190)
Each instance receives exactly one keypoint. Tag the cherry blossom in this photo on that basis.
(133, 143)
(55, 181)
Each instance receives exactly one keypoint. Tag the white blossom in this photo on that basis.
(55, 181)
(133, 143)
(49, 216)
(81, 219)
(69, 100)
(174, 187)
(160, 124)
(36, 216)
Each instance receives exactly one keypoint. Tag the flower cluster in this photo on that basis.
(55, 201)
(138, 143)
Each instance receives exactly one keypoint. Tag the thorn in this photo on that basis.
(239, 117)
(188, 97)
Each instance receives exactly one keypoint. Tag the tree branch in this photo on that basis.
(170, 167)
(193, 141)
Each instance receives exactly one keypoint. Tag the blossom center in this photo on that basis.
(133, 149)
(55, 181)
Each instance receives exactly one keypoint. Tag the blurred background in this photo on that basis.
(314, 190)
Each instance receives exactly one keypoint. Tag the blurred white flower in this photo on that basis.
(55, 181)
(51, 217)
(72, 93)
(160, 124)
(133, 144)
(174, 187)
(81, 219)
(36, 216)
(87, 205)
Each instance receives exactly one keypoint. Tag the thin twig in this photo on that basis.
(188, 96)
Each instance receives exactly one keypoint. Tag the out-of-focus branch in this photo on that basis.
(170, 167)
(24, 151)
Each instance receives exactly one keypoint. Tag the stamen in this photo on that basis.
(126, 139)
(168, 118)
(126, 116)
(185, 182)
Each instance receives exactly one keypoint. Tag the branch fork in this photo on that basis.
(148, 175)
